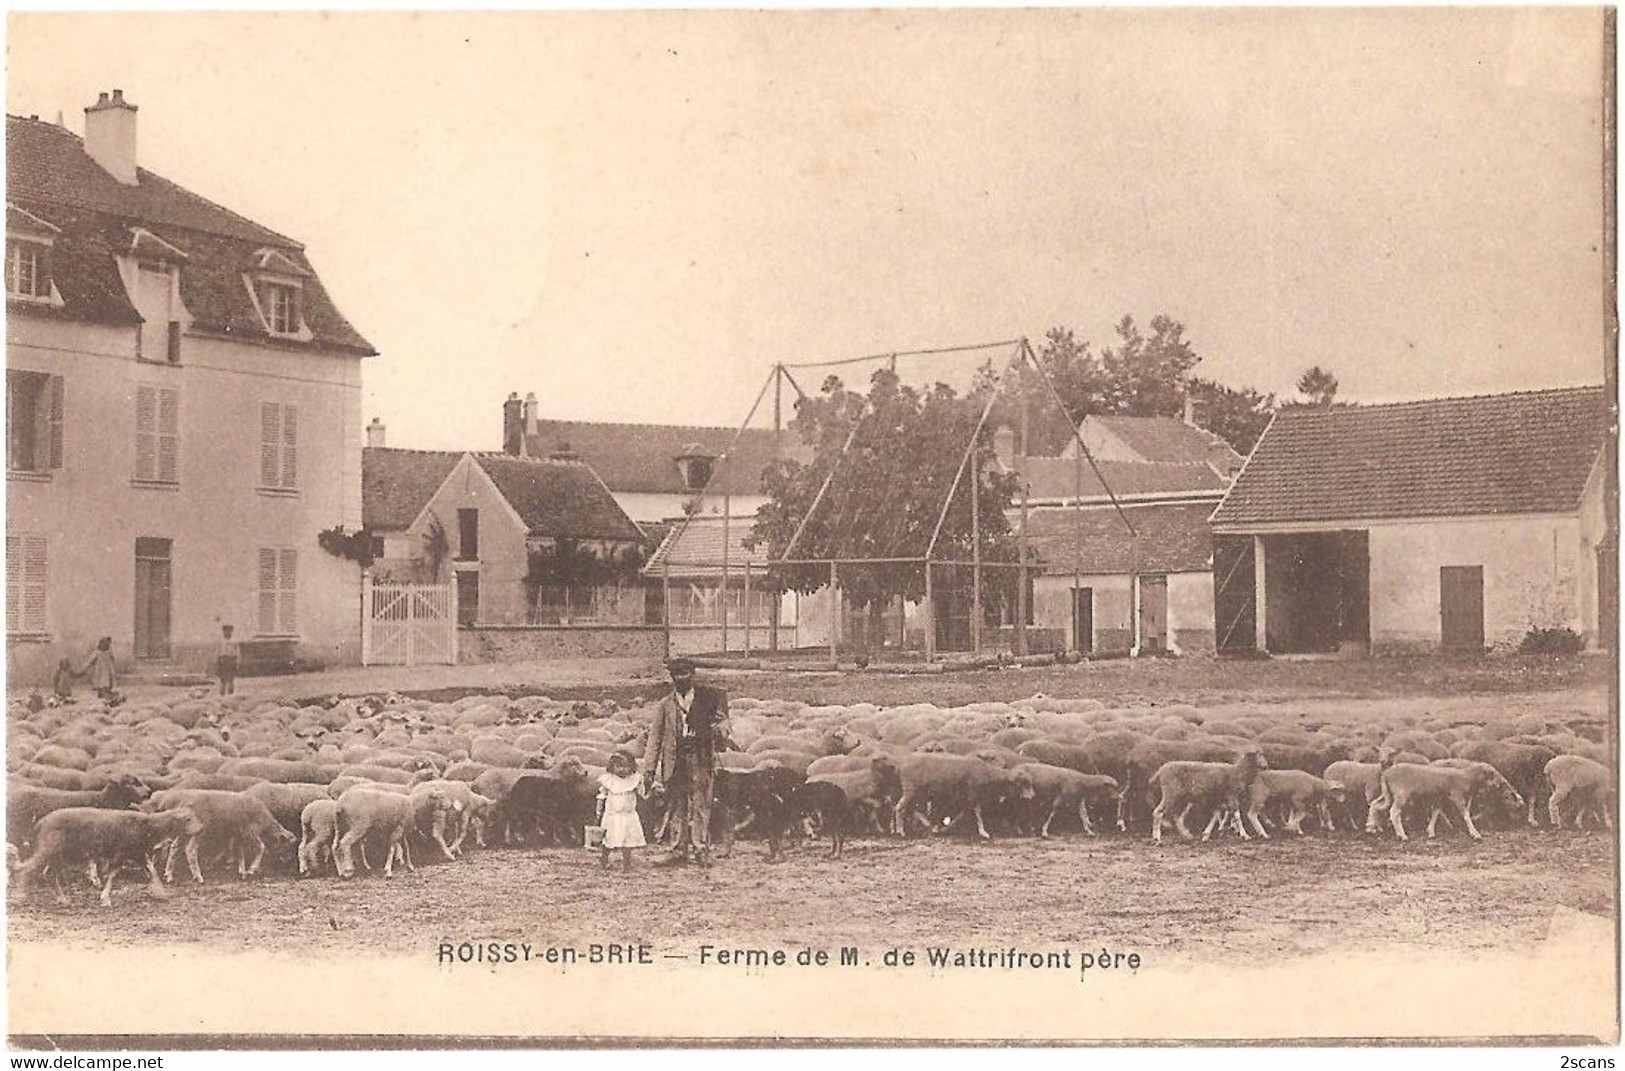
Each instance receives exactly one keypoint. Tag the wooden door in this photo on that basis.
(468, 597)
(152, 598)
(1153, 613)
(1461, 608)
(1083, 620)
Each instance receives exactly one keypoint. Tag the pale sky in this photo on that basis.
(636, 214)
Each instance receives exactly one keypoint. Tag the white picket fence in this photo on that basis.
(408, 624)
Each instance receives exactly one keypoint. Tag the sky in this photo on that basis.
(636, 214)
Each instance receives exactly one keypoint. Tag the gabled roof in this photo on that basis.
(1060, 478)
(1168, 440)
(560, 499)
(643, 457)
(695, 549)
(397, 484)
(1094, 539)
(1530, 452)
(51, 177)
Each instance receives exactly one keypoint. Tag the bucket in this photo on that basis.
(592, 836)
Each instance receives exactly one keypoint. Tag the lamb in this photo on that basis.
(1584, 781)
(318, 829)
(107, 840)
(1054, 787)
(1300, 793)
(363, 811)
(1435, 786)
(469, 810)
(1219, 785)
(233, 820)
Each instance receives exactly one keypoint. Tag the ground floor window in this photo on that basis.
(25, 584)
(278, 591)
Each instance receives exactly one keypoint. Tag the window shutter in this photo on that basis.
(54, 416)
(169, 439)
(146, 433)
(270, 434)
(14, 583)
(34, 583)
(290, 446)
(287, 598)
(267, 591)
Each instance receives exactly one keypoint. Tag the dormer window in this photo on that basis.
(694, 464)
(27, 269)
(276, 283)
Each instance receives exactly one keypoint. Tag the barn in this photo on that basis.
(1456, 524)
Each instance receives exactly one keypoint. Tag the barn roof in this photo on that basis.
(643, 457)
(1168, 440)
(95, 217)
(1059, 477)
(1093, 540)
(562, 499)
(396, 484)
(695, 549)
(1529, 452)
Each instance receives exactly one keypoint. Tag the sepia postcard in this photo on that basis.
(1071, 526)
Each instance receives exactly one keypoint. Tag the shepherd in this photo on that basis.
(690, 726)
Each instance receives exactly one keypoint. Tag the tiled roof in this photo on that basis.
(1508, 453)
(643, 457)
(397, 484)
(1169, 440)
(49, 175)
(1058, 477)
(1094, 539)
(695, 550)
(565, 499)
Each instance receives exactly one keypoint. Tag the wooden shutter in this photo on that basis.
(14, 583)
(288, 593)
(270, 438)
(290, 446)
(268, 591)
(169, 434)
(146, 433)
(54, 413)
(34, 584)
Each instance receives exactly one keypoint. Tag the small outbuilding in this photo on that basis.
(1459, 524)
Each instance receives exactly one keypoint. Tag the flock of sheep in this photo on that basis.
(251, 784)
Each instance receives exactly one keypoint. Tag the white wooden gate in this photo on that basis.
(408, 624)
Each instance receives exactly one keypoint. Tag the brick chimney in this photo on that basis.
(533, 428)
(110, 135)
(513, 425)
(375, 433)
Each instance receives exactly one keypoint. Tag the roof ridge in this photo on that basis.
(638, 424)
(1367, 406)
(417, 450)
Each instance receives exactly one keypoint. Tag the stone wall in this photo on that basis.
(533, 644)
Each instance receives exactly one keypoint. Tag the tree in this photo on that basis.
(1238, 416)
(1318, 386)
(888, 490)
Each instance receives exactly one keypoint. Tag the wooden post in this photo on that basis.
(747, 607)
(778, 454)
(726, 505)
(1260, 618)
(930, 618)
(665, 605)
(976, 553)
(1021, 542)
(834, 611)
(366, 619)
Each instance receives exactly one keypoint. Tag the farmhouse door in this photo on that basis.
(468, 597)
(1083, 620)
(151, 598)
(1461, 607)
(1153, 613)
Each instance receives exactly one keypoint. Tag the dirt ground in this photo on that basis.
(1188, 902)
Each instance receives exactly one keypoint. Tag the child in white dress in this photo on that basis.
(618, 791)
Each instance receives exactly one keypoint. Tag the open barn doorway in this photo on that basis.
(1317, 592)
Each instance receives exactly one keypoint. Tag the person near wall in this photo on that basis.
(690, 727)
(227, 658)
(101, 669)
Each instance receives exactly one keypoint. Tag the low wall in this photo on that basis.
(496, 643)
